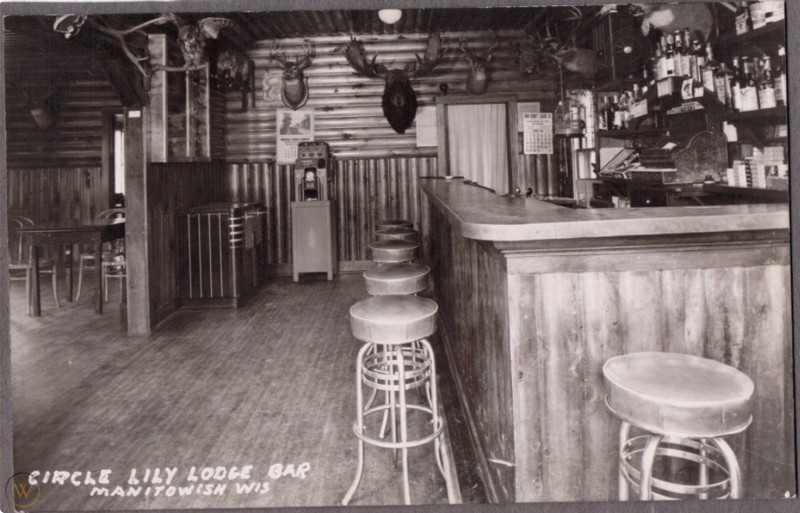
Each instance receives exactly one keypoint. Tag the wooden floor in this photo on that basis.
(269, 384)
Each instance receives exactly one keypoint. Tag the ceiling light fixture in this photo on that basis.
(390, 16)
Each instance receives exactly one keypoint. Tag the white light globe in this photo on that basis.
(390, 16)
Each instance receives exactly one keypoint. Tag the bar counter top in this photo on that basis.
(483, 215)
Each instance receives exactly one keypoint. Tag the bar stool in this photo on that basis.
(393, 251)
(396, 357)
(396, 232)
(404, 278)
(686, 405)
(393, 223)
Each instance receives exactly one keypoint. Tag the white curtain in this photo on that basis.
(478, 144)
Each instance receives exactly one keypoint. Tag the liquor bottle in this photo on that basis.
(678, 38)
(661, 54)
(780, 77)
(709, 71)
(698, 61)
(736, 88)
(766, 86)
(757, 15)
(669, 59)
(621, 115)
(722, 83)
(749, 91)
(611, 114)
(602, 116)
(742, 18)
(686, 65)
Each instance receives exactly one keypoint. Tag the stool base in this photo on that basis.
(719, 476)
(397, 369)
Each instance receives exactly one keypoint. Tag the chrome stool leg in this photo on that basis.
(401, 387)
(648, 459)
(732, 463)
(624, 434)
(359, 427)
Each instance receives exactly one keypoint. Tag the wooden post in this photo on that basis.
(136, 224)
(157, 106)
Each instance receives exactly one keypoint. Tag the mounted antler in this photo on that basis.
(564, 51)
(70, 25)
(480, 68)
(294, 91)
(399, 99)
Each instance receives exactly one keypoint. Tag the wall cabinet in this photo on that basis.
(187, 112)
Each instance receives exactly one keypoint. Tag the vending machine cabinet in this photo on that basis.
(313, 238)
(224, 254)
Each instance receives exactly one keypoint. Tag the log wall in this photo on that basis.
(171, 189)
(77, 138)
(376, 168)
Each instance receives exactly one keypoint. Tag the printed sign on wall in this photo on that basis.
(537, 133)
(294, 127)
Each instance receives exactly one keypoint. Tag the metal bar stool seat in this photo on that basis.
(393, 223)
(396, 357)
(396, 232)
(685, 405)
(393, 251)
(403, 278)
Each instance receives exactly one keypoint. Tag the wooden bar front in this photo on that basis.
(534, 298)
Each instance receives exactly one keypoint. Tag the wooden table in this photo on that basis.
(94, 234)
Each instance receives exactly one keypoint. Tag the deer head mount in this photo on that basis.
(480, 68)
(399, 98)
(294, 89)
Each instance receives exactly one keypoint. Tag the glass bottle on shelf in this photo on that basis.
(679, 51)
(780, 77)
(669, 58)
(743, 23)
(722, 83)
(709, 70)
(698, 61)
(616, 116)
(686, 55)
(766, 86)
(748, 87)
(736, 85)
(602, 117)
(658, 61)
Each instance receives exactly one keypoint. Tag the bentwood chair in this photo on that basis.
(114, 266)
(20, 264)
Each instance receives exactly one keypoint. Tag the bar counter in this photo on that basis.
(535, 297)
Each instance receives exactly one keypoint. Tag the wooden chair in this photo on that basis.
(20, 265)
(114, 265)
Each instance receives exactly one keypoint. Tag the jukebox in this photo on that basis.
(313, 229)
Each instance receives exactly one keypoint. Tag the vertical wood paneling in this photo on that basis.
(472, 295)
(366, 190)
(172, 188)
(57, 195)
(577, 321)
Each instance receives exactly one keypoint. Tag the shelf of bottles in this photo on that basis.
(747, 89)
(751, 86)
